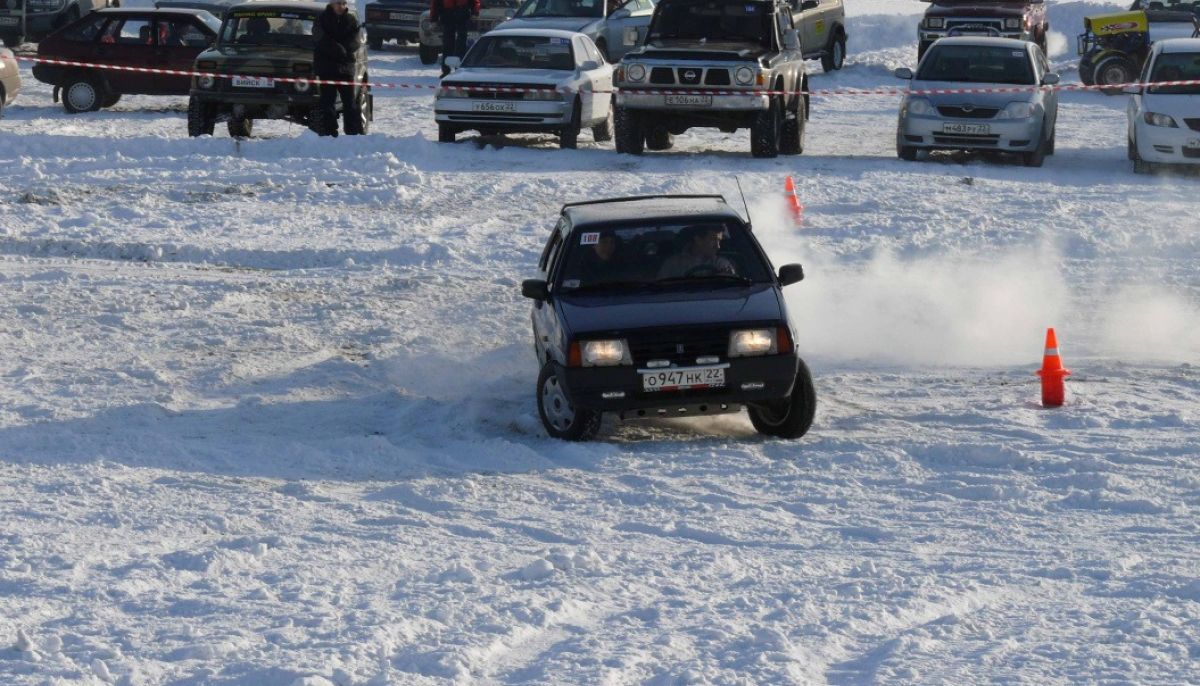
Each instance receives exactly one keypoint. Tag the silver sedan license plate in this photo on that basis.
(683, 379)
(690, 100)
(493, 107)
(968, 129)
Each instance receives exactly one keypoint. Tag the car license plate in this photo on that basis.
(401, 16)
(9, 21)
(253, 82)
(493, 107)
(683, 379)
(1194, 143)
(969, 129)
(690, 100)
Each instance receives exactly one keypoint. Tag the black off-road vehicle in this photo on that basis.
(663, 306)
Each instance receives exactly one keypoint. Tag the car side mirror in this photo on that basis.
(790, 274)
(535, 289)
(903, 73)
(1050, 79)
(452, 62)
(1132, 90)
(622, 13)
(791, 40)
(589, 65)
(809, 5)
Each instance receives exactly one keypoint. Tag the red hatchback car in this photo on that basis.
(162, 39)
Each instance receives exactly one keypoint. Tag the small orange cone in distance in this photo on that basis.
(789, 192)
(1052, 373)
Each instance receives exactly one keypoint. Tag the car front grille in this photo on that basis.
(1191, 153)
(965, 113)
(492, 95)
(1193, 124)
(716, 77)
(969, 140)
(661, 75)
(968, 24)
(679, 346)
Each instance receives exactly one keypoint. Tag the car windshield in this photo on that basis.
(210, 21)
(269, 27)
(717, 21)
(977, 64)
(1176, 66)
(655, 255)
(521, 52)
(561, 8)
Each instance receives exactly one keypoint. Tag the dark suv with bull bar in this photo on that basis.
(1020, 19)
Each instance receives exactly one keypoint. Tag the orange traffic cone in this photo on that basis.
(794, 206)
(1052, 373)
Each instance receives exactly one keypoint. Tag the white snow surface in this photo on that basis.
(267, 413)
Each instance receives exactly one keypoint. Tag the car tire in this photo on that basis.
(375, 44)
(13, 41)
(322, 123)
(240, 128)
(1140, 166)
(2, 97)
(559, 418)
(908, 153)
(568, 137)
(364, 113)
(110, 99)
(82, 94)
(603, 132)
(427, 53)
(766, 130)
(792, 140)
(659, 138)
(446, 133)
(1050, 143)
(201, 121)
(1087, 70)
(790, 418)
(627, 130)
(835, 56)
(1114, 70)
(1037, 156)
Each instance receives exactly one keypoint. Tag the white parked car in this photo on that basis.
(1164, 121)
(560, 83)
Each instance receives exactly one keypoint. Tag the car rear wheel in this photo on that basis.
(627, 126)
(766, 130)
(559, 417)
(835, 56)
(201, 121)
(603, 131)
(82, 94)
(1113, 71)
(791, 417)
(110, 99)
(241, 128)
(427, 53)
(568, 138)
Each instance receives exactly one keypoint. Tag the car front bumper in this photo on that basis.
(388, 30)
(931, 35)
(525, 116)
(748, 380)
(632, 98)
(1166, 145)
(1003, 135)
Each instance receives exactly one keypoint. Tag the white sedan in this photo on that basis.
(1164, 121)
(554, 82)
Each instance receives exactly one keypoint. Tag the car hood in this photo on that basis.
(976, 99)
(243, 54)
(1177, 106)
(971, 9)
(561, 23)
(728, 51)
(608, 313)
(535, 77)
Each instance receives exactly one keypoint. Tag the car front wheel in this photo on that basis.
(835, 56)
(428, 53)
(766, 130)
(628, 129)
(559, 417)
(792, 416)
(603, 131)
(201, 121)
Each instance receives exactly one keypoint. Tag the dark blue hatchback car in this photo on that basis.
(663, 306)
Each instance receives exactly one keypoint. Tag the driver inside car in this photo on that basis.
(700, 254)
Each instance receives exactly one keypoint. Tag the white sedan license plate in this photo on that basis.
(493, 107)
(968, 129)
(1194, 143)
(400, 16)
(690, 100)
(683, 379)
(9, 21)
(253, 82)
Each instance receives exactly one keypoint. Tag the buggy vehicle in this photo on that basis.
(615, 26)
(1113, 47)
(1021, 122)
(569, 87)
(663, 306)
(159, 38)
(492, 13)
(822, 27)
(1164, 120)
(259, 44)
(737, 64)
(1019, 19)
(22, 20)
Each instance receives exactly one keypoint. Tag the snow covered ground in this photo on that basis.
(267, 412)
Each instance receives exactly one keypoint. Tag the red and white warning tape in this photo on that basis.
(850, 92)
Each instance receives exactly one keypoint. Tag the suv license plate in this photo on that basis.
(253, 82)
(969, 129)
(683, 379)
(690, 100)
(493, 107)
(9, 21)
(400, 16)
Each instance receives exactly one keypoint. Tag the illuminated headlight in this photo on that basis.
(1013, 23)
(206, 81)
(935, 22)
(302, 86)
(636, 73)
(744, 75)
(543, 94)
(606, 353)
(750, 342)
(918, 106)
(1016, 110)
(1156, 119)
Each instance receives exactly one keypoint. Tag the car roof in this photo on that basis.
(990, 41)
(537, 33)
(153, 10)
(276, 5)
(651, 207)
(1178, 45)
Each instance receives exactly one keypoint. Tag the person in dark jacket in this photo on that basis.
(455, 17)
(337, 46)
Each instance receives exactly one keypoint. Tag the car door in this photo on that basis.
(179, 40)
(547, 330)
(1134, 106)
(1050, 95)
(597, 81)
(127, 42)
(626, 27)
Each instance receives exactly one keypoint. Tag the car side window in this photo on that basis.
(593, 53)
(135, 32)
(552, 246)
(179, 33)
(84, 32)
(1145, 77)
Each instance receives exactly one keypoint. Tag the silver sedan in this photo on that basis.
(1012, 122)
(10, 78)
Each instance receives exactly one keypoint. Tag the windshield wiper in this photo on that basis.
(707, 278)
(610, 285)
